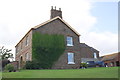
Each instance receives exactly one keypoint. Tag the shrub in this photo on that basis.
(32, 65)
(5, 62)
(9, 67)
(83, 65)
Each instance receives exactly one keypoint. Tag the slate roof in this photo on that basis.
(85, 45)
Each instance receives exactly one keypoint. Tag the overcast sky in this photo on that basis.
(96, 21)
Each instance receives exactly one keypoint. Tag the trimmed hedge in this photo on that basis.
(46, 49)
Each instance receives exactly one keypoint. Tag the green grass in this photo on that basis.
(110, 72)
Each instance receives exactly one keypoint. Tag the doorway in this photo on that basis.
(21, 62)
(117, 63)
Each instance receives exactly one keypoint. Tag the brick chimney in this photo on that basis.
(55, 12)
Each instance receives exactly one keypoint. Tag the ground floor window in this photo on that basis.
(71, 58)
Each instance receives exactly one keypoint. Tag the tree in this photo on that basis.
(5, 53)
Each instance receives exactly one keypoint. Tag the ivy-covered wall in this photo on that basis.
(47, 48)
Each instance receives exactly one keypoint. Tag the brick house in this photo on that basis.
(111, 60)
(71, 58)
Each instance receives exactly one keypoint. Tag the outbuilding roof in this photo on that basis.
(110, 56)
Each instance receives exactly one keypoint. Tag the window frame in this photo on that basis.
(21, 46)
(27, 56)
(73, 59)
(95, 55)
(16, 49)
(69, 41)
(27, 40)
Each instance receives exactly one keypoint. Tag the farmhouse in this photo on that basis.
(70, 58)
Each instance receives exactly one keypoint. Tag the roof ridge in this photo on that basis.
(54, 19)
(111, 54)
(57, 17)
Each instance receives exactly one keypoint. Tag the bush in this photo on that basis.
(5, 62)
(32, 65)
(9, 67)
(83, 65)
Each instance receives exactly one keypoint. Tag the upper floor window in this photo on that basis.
(16, 49)
(69, 41)
(27, 56)
(95, 55)
(21, 45)
(27, 40)
(71, 58)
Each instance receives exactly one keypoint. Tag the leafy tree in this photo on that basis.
(5, 53)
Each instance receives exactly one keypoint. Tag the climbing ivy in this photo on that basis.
(47, 48)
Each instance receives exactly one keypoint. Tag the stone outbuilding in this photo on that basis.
(111, 60)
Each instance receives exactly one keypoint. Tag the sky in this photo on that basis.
(96, 21)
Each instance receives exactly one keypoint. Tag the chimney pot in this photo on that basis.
(52, 7)
(55, 13)
(55, 7)
(59, 9)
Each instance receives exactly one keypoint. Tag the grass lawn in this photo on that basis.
(109, 72)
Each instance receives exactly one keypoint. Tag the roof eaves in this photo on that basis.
(54, 19)
(24, 36)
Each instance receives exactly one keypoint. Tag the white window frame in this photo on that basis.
(95, 55)
(69, 41)
(71, 61)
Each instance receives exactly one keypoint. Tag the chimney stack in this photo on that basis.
(55, 12)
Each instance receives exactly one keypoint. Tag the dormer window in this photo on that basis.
(69, 41)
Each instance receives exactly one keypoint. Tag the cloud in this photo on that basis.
(105, 42)
(104, 0)
(18, 16)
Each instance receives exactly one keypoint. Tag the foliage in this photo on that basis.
(84, 65)
(5, 53)
(9, 67)
(32, 65)
(46, 49)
